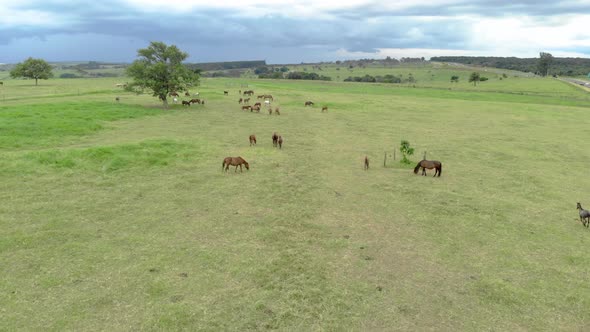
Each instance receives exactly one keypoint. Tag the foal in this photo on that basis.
(252, 139)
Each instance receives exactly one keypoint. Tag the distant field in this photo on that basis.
(117, 216)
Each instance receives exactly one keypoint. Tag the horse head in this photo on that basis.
(579, 206)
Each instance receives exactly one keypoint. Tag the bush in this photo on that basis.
(406, 151)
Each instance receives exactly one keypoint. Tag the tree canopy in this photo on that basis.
(160, 69)
(32, 68)
(474, 77)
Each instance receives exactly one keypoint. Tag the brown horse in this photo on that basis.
(275, 139)
(257, 104)
(270, 111)
(187, 94)
(366, 163)
(234, 161)
(430, 164)
(195, 101)
(325, 108)
(280, 140)
(247, 107)
(584, 215)
(247, 100)
(277, 111)
(255, 108)
(309, 103)
(174, 94)
(241, 100)
(252, 139)
(186, 103)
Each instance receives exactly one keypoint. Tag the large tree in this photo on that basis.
(545, 60)
(32, 68)
(160, 69)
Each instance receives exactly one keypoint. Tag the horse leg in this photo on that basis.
(240, 168)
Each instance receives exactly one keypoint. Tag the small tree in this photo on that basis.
(160, 70)
(545, 60)
(406, 151)
(474, 77)
(454, 79)
(32, 68)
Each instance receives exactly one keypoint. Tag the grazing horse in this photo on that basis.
(260, 97)
(186, 103)
(240, 101)
(308, 103)
(325, 108)
(247, 107)
(366, 163)
(430, 164)
(584, 215)
(225, 93)
(195, 101)
(234, 161)
(269, 97)
(280, 140)
(255, 108)
(247, 100)
(257, 104)
(252, 139)
(275, 139)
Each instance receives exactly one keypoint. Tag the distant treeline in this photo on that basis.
(207, 66)
(559, 66)
(381, 79)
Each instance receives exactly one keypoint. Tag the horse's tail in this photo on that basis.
(223, 164)
(440, 169)
(417, 167)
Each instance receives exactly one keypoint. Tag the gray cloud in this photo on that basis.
(215, 34)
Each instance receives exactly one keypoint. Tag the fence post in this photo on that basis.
(393, 154)
(384, 158)
(424, 155)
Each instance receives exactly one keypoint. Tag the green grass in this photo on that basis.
(123, 220)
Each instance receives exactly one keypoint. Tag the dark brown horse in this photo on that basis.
(430, 164)
(255, 108)
(309, 103)
(325, 108)
(366, 163)
(252, 139)
(195, 101)
(174, 94)
(584, 215)
(247, 107)
(186, 103)
(241, 100)
(234, 161)
(280, 140)
(187, 94)
(275, 139)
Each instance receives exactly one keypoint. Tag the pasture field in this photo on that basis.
(117, 216)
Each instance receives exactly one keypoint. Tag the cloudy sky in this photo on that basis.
(291, 31)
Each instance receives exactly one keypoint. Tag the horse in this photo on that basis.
(584, 215)
(240, 101)
(117, 99)
(174, 94)
(255, 108)
(247, 100)
(260, 97)
(308, 103)
(269, 97)
(270, 111)
(276, 111)
(275, 139)
(186, 103)
(257, 104)
(366, 163)
(252, 139)
(430, 164)
(325, 108)
(234, 161)
(247, 107)
(280, 140)
(187, 94)
(195, 101)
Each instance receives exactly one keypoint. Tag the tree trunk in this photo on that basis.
(36, 81)
(165, 101)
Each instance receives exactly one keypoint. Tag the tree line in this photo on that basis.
(553, 65)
